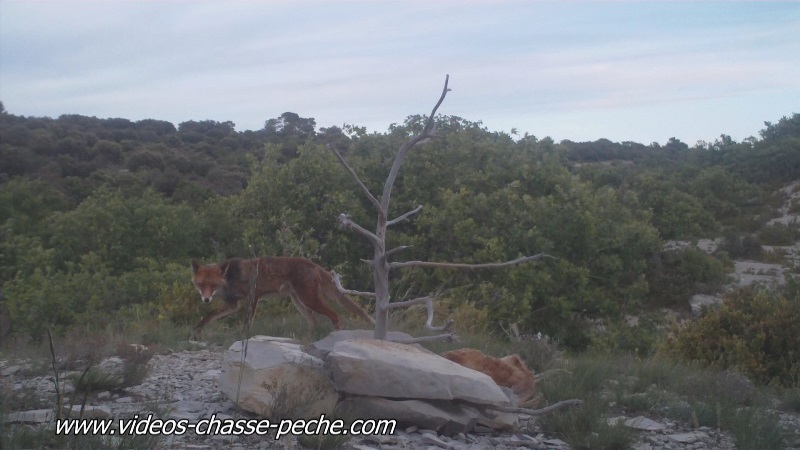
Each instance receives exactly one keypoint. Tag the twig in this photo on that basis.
(353, 174)
(395, 250)
(538, 412)
(397, 265)
(404, 216)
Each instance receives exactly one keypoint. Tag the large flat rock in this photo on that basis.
(400, 371)
(275, 376)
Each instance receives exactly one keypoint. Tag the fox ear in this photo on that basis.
(224, 266)
(230, 269)
(195, 266)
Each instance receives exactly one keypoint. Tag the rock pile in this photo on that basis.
(362, 378)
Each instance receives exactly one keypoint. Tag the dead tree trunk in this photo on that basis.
(380, 262)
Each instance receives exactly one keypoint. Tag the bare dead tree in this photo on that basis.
(380, 262)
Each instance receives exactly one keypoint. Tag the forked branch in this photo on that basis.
(380, 264)
(427, 133)
(345, 222)
(337, 280)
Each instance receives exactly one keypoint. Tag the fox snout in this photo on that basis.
(206, 295)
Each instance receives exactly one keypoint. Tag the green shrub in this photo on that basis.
(754, 428)
(778, 234)
(179, 303)
(791, 400)
(674, 276)
(756, 332)
(88, 293)
(739, 246)
(639, 340)
(584, 426)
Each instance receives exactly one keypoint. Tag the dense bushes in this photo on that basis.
(674, 276)
(88, 293)
(144, 197)
(84, 265)
(756, 332)
(779, 234)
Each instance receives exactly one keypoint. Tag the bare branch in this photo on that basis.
(538, 412)
(401, 154)
(447, 337)
(345, 222)
(353, 174)
(404, 216)
(397, 265)
(395, 250)
(428, 301)
(429, 125)
(337, 280)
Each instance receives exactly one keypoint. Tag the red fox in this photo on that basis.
(509, 371)
(307, 283)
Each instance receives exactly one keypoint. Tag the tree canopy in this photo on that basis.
(108, 212)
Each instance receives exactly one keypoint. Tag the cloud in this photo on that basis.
(374, 63)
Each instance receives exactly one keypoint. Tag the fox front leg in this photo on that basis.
(228, 309)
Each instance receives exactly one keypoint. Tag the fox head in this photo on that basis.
(209, 279)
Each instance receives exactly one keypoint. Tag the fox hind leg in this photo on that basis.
(311, 297)
(305, 312)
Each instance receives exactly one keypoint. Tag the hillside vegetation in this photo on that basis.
(99, 218)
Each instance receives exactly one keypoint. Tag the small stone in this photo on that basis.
(556, 443)
(379, 439)
(433, 440)
(644, 424)
(32, 416)
(11, 370)
(89, 412)
(211, 374)
(685, 438)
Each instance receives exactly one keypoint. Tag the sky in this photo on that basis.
(641, 71)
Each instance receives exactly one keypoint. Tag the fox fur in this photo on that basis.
(234, 280)
(509, 371)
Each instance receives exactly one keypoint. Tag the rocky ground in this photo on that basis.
(183, 385)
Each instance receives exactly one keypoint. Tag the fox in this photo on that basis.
(307, 283)
(509, 371)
